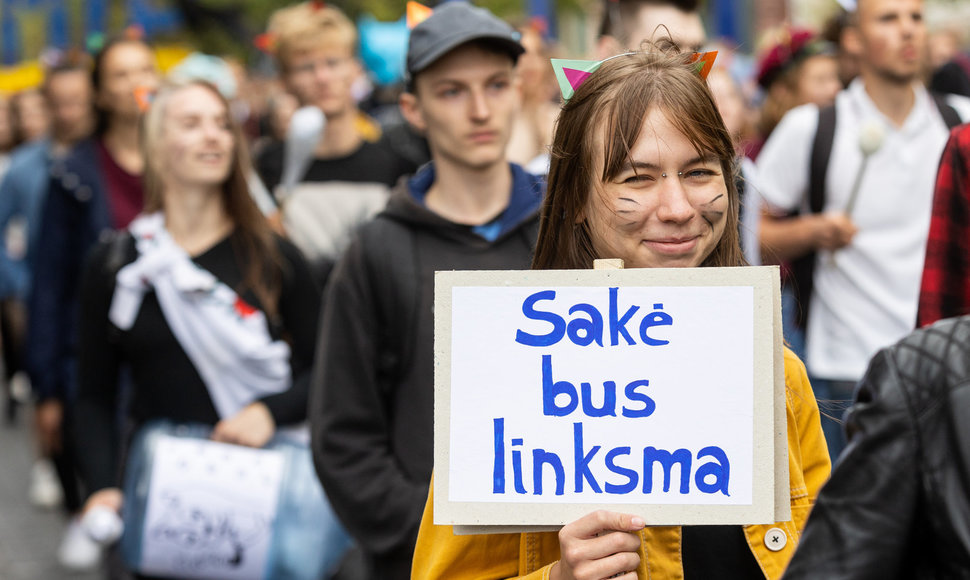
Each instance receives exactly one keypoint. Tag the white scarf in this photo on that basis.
(227, 340)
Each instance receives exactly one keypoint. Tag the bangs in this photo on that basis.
(631, 101)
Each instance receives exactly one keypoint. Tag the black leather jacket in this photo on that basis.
(898, 502)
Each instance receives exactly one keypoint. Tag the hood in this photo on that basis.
(406, 205)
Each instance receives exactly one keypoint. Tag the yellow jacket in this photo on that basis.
(441, 554)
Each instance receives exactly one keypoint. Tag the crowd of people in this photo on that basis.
(260, 261)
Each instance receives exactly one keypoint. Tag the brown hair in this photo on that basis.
(252, 238)
(614, 101)
(306, 26)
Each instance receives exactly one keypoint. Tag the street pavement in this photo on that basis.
(28, 537)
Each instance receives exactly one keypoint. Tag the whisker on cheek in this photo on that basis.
(716, 197)
(711, 216)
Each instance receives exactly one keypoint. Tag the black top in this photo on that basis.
(165, 382)
(370, 163)
(718, 552)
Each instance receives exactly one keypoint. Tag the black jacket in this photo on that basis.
(372, 392)
(898, 502)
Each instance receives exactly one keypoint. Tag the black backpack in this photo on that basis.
(803, 269)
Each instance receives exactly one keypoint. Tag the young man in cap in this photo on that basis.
(372, 393)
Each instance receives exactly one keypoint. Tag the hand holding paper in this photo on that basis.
(601, 544)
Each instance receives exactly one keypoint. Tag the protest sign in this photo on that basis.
(658, 392)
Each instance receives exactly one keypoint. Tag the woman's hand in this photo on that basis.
(599, 545)
(252, 427)
(109, 497)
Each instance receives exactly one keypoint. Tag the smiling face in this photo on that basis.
(652, 221)
(195, 144)
(465, 103)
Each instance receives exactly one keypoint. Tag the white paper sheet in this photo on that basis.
(210, 510)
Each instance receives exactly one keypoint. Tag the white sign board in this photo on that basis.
(195, 526)
(655, 392)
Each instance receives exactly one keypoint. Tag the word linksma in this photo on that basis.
(710, 477)
(583, 331)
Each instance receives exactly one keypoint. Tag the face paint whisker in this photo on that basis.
(629, 200)
(713, 200)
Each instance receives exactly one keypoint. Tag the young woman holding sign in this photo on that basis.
(643, 170)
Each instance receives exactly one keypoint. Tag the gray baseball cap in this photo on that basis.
(453, 24)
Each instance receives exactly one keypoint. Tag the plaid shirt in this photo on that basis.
(945, 291)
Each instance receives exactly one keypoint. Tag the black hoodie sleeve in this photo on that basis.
(350, 424)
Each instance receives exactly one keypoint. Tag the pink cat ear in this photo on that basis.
(572, 73)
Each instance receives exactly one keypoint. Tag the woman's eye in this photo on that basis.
(699, 173)
(638, 179)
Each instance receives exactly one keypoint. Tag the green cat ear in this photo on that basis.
(572, 73)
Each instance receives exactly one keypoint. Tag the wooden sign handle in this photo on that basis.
(609, 264)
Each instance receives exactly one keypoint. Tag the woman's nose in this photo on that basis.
(674, 205)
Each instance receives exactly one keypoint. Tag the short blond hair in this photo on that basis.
(306, 26)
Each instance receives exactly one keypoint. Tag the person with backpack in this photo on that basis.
(371, 401)
(872, 158)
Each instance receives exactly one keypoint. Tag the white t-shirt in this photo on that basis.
(750, 214)
(867, 298)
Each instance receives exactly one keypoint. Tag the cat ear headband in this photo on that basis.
(573, 73)
(417, 13)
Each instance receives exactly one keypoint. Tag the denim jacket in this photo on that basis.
(74, 216)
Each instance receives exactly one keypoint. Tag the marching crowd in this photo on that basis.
(258, 256)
